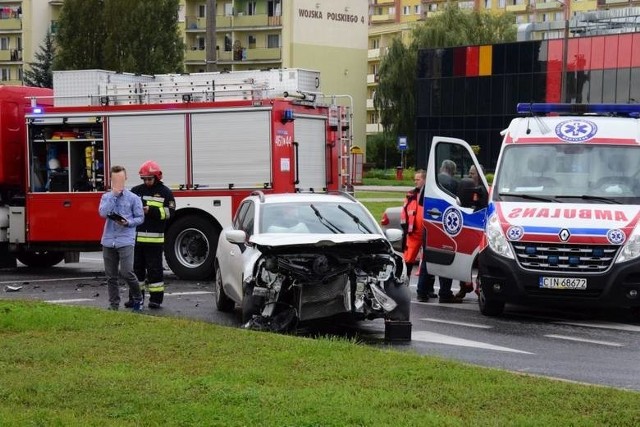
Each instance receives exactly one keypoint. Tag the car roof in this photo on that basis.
(306, 198)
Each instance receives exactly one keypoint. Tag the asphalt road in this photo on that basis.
(585, 347)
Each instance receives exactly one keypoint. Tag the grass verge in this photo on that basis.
(83, 366)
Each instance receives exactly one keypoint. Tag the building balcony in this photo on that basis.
(374, 128)
(379, 19)
(198, 55)
(11, 55)
(260, 54)
(370, 104)
(517, 8)
(602, 3)
(195, 24)
(56, 2)
(10, 24)
(372, 78)
(382, 3)
(551, 5)
(373, 54)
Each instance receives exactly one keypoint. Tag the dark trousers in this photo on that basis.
(426, 282)
(147, 265)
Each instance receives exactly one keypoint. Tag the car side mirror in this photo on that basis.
(393, 234)
(235, 236)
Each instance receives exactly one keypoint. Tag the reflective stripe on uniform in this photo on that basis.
(156, 287)
(147, 237)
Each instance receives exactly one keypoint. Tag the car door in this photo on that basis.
(454, 210)
(234, 256)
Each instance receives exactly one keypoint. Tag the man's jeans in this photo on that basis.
(120, 259)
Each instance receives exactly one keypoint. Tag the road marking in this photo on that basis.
(46, 280)
(563, 337)
(433, 337)
(464, 306)
(188, 293)
(66, 301)
(449, 322)
(604, 325)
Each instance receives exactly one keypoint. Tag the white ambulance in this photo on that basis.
(560, 224)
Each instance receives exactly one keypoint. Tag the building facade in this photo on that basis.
(471, 92)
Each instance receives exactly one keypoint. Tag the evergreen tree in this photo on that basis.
(395, 96)
(40, 72)
(81, 34)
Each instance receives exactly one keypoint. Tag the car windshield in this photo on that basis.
(316, 217)
(569, 173)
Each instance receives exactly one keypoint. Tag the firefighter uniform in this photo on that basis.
(159, 205)
(411, 222)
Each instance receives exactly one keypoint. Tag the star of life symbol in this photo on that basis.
(616, 236)
(564, 235)
(576, 130)
(452, 221)
(515, 232)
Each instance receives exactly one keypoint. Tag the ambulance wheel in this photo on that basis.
(489, 306)
(40, 259)
(190, 247)
(223, 302)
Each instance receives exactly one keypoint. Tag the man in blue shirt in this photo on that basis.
(123, 212)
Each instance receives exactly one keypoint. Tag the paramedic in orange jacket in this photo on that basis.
(411, 222)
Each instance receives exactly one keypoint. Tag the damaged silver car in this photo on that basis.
(292, 258)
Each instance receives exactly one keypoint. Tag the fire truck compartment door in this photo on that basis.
(232, 148)
(453, 231)
(58, 217)
(310, 134)
(135, 139)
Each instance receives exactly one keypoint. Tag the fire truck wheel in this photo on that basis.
(223, 302)
(190, 247)
(489, 306)
(40, 259)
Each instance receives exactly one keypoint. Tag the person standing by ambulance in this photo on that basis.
(411, 222)
(159, 206)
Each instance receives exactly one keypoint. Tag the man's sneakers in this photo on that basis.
(137, 306)
(422, 298)
(128, 304)
(154, 305)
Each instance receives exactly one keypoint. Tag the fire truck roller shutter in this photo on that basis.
(310, 134)
(233, 148)
(133, 139)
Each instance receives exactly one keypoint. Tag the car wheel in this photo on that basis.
(489, 306)
(40, 259)
(223, 302)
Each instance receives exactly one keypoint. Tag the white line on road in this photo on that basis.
(562, 337)
(175, 294)
(444, 339)
(45, 280)
(67, 301)
(450, 322)
(604, 325)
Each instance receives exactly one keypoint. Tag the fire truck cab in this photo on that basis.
(216, 143)
(560, 224)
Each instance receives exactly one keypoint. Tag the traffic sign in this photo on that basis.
(402, 143)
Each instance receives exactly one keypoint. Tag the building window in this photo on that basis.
(392, 10)
(503, 4)
(417, 9)
(252, 41)
(251, 8)
(201, 43)
(227, 43)
(228, 9)
(20, 76)
(6, 74)
(406, 10)
(202, 11)
(274, 8)
(273, 41)
(487, 4)
(374, 43)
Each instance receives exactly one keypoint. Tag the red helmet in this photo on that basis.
(150, 168)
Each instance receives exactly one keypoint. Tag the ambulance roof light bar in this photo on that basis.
(560, 108)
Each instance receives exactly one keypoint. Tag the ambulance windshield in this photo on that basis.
(578, 173)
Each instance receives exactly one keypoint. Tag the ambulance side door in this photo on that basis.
(454, 209)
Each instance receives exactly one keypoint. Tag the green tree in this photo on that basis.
(40, 72)
(395, 96)
(137, 36)
(80, 36)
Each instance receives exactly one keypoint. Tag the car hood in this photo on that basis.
(288, 243)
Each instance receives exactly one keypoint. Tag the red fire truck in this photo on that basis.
(213, 151)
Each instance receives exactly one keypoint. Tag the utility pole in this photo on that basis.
(210, 41)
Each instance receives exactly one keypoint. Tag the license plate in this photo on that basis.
(563, 283)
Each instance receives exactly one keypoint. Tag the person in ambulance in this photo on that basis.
(159, 206)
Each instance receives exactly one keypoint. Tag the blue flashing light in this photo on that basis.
(530, 250)
(560, 108)
(574, 261)
(287, 116)
(598, 252)
(37, 110)
(553, 260)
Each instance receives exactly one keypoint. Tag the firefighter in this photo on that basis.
(159, 206)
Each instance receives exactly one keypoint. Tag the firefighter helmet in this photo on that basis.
(149, 169)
